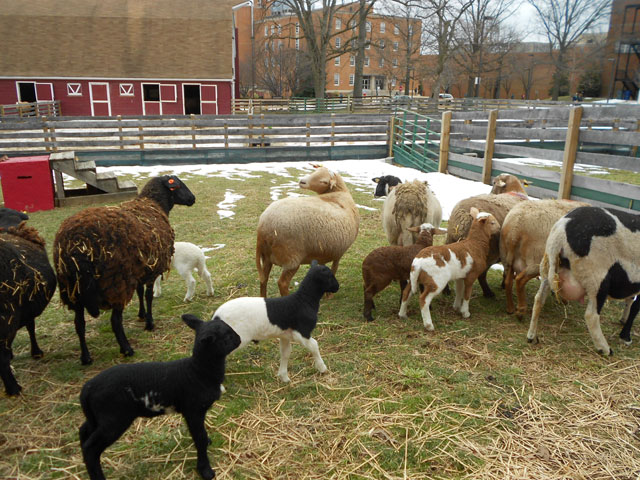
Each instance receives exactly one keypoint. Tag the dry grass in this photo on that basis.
(470, 400)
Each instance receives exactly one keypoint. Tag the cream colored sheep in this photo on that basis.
(505, 183)
(460, 222)
(409, 204)
(522, 240)
(296, 230)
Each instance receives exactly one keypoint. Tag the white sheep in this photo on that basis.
(409, 204)
(592, 252)
(296, 230)
(186, 258)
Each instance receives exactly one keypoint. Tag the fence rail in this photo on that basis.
(37, 109)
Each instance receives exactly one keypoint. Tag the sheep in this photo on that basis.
(102, 255)
(385, 184)
(460, 221)
(386, 264)
(409, 205)
(11, 218)
(114, 398)
(505, 183)
(293, 231)
(27, 283)
(186, 258)
(289, 318)
(522, 240)
(592, 252)
(434, 267)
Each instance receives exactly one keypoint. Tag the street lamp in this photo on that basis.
(477, 82)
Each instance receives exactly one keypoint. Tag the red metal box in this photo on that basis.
(27, 183)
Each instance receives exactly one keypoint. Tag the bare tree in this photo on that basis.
(364, 8)
(564, 22)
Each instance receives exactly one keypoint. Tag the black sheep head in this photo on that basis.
(323, 277)
(179, 191)
(167, 191)
(11, 218)
(214, 339)
(385, 184)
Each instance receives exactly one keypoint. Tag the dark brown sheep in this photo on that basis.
(102, 255)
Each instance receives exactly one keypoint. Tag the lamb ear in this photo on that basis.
(376, 179)
(474, 212)
(192, 321)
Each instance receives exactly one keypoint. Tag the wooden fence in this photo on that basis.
(201, 137)
(37, 109)
(475, 145)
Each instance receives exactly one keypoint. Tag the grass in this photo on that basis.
(471, 400)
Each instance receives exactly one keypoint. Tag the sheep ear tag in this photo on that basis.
(172, 184)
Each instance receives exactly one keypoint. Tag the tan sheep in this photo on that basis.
(505, 182)
(522, 240)
(460, 222)
(409, 204)
(296, 230)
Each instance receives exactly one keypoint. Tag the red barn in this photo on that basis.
(119, 57)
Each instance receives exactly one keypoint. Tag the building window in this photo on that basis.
(353, 44)
(336, 79)
(266, 30)
(297, 28)
(126, 89)
(352, 61)
(279, 30)
(395, 62)
(381, 62)
(395, 46)
(382, 44)
(338, 23)
(74, 90)
(367, 45)
(383, 27)
(396, 30)
(410, 30)
(338, 42)
(368, 26)
(352, 80)
(353, 24)
(393, 82)
(336, 61)
(366, 61)
(273, 29)
(297, 44)
(151, 92)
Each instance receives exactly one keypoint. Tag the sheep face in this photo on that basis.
(214, 339)
(179, 191)
(11, 218)
(322, 180)
(385, 184)
(505, 182)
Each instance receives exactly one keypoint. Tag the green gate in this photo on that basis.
(414, 144)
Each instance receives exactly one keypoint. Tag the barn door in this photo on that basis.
(44, 92)
(100, 99)
(209, 99)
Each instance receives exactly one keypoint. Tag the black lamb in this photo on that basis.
(114, 398)
(27, 283)
(102, 255)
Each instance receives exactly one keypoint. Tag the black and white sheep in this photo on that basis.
(385, 184)
(393, 262)
(289, 318)
(592, 252)
(102, 255)
(409, 204)
(27, 283)
(187, 257)
(114, 398)
(295, 230)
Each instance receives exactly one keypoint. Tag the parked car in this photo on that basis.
(446, 97)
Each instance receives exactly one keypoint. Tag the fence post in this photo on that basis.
(119, 117)
(141, 137)
(46, 131)
(193, 130)
(392, 126)
(262, 128)
(445, 131)
(488, 147)
(333, 126)
(226, 135)
(308, 134)
(250, 118)
(570, 151)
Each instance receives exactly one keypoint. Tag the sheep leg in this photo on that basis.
(468, 287)
(285, 280)
(538, 303)
(11, 385)
(592, 318)
(191, 286)
(206, 277)
(36, 352)
(148, 318)
(629, 313)
(195, 422)
(141, 310)
(486, 290)
(521, 282)
(264, 275)
(459, 291)
(372, 288)
(425, 302)
(116, 326)
(98, 440)
(312, 346)
(406, 295)
(157, 286)
(285, 353)
(85, 356)
(508, 286)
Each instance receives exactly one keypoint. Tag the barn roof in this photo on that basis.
(157, 39)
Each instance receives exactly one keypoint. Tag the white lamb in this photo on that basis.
(186, 258)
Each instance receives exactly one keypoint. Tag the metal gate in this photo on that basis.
(414, 144)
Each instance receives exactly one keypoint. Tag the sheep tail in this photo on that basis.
(413, 277)
(260, 262)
